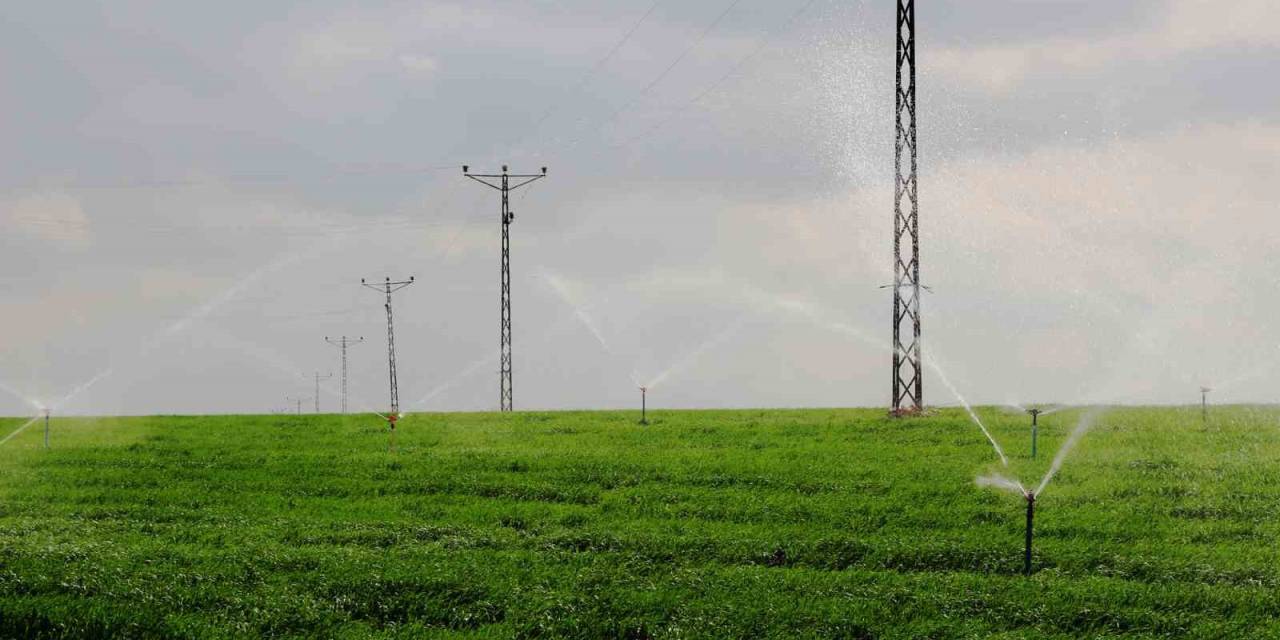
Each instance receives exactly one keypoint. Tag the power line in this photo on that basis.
(215, 180)
(613, 116)
(555, 106)
(741, 64)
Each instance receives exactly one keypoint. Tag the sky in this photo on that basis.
(190, 194)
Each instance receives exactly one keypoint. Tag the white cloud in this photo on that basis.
(418, 63)
(1186, 26)
(56, 218)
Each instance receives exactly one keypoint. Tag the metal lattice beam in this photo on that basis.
(503, 184)
(908, 373)
(388, 287)
(343, 343)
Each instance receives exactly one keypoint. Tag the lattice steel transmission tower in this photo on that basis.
(388, 287)
(318, 379)
(343, 343)
(908, 372)
(504, 342)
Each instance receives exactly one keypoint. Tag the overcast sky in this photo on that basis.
(191, 192)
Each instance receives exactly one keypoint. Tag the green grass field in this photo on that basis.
(715, 524)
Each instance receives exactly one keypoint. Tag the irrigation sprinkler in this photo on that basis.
(1031, 510)
(1035, 429)
(644, 392)
(46, 427)
(1204, 404)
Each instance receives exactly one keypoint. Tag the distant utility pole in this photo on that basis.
(46, 428)
(317, 396)
(295, 399)
(908, 374)
(1204, 404)
(388, 287)
(343, 343)
(504, 185)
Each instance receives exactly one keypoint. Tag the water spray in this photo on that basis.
(1035, 429)
(644, 392)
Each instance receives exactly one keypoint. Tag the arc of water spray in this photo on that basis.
(21, 396)
(815, 315)
(20, 429)
(561, 289)
(284, 366)
(684, 363)
(1082, 426)
(932, 363)
(1001, 482)
(56, 404)
(470, 370)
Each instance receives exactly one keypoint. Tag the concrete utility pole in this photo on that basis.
(503, 184)
(343, 343)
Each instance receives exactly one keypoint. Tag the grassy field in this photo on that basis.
(716, 524)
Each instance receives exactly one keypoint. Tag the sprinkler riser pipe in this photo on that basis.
(1035, 429)
(1031, 510)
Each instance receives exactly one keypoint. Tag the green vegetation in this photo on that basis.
(717, 524)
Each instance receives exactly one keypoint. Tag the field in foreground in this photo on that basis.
(718, 524)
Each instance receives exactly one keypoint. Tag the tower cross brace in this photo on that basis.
(908, 373)
(503, 183)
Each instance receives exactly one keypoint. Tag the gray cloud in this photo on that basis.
(193, 193)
